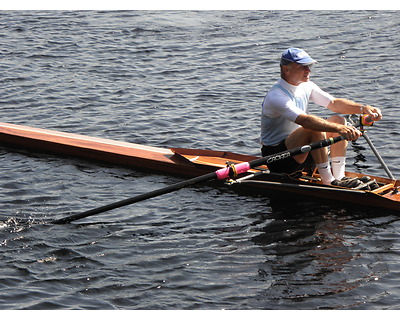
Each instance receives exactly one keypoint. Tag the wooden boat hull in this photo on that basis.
(97, 149)
(190, 163)
(358, 197)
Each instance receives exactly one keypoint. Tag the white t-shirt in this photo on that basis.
(283, 104)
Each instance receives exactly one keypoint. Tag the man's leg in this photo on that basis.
(338, 150)
(303, 136)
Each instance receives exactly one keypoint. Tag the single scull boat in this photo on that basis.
(194, 162)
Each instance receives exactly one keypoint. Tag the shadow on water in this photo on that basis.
(314, 254)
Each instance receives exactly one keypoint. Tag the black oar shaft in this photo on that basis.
(219, 174)
(145, 196)
(295, 151)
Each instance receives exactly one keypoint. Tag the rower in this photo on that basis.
(286, 122)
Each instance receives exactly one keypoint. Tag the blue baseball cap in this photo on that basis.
(298, 56)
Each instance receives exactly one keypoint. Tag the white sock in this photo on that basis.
(324, 170)
(338, 167)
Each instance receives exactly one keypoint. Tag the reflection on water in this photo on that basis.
(309, 256)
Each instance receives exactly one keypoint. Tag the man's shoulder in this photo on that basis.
(309, 87)
(277, 91)
(309, 84)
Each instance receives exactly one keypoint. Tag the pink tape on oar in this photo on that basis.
(240, 168)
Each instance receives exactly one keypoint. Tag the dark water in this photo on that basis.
(194, 80)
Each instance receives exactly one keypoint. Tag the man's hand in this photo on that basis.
(374, 112)
(350, 133)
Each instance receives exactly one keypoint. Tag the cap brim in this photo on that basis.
(308, 63)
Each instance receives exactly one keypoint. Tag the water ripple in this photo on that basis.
(191, 80)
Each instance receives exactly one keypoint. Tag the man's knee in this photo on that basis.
(316, 135)
(337, 119)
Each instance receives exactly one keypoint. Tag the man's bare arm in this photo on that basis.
(345, 106)
(314, 123)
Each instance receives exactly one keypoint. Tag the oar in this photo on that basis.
(220, 174)
(378, 156)
(366, 120)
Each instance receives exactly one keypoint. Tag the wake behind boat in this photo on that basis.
(376, 192)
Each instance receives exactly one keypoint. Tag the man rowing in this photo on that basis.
(286, 122)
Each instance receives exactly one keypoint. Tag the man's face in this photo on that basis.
(296, 73)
